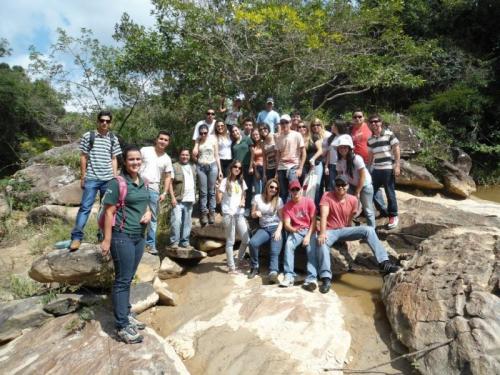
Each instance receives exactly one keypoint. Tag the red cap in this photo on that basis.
(294, 184)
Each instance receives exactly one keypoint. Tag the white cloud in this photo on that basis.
(34, 22)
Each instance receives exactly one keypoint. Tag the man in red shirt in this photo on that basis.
(360, 132)
(299, 221)
(337, 210)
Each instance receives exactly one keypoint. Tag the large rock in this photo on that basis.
(167, 297)
(461, 160)
(209, 245)
(184, 253)
(85, 266)
(448, 293)
(68, 195)
(409, 144)
(456, 181)
(59, 348)
(70, 302)
(263, 329)
(43, 214)
(56, 153)
(142, 297)
(169, 269)
(18, 315)
(49, 179)
(214, 232)
(148, 267)
(417, 176)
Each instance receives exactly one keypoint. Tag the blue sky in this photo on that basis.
(34, 22)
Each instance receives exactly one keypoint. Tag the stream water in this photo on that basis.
(490, 193)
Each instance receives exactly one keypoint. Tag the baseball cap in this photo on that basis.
(285, 117)
(341, 179)
(294, 185)
(270, 100)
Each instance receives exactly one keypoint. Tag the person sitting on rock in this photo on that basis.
(182, 196)
(124, 229)
(231, 196)
(267, 208)
(299, 221)
(337, 210)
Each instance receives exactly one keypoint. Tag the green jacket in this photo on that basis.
(178, 180)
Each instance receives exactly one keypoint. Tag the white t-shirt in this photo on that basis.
(231, 201)
(224, 148)
(358, 165)
(189, 193)
(198, 124)
(153, 167)
(269, 215)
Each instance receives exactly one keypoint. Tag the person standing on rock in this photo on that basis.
(156, 165)
(98, 165)
(182, 195)
(299, 221)
(360, 132)
(124, 237)
(337, 211)
(269, 116)
(231, 196)
(232, 109)
(383, 157)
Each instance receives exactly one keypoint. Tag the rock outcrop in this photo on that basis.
(409, 144)
(417, 176)
(42, 214)
(456, 181)
(142, 297)
(63, 347)
(449, 293)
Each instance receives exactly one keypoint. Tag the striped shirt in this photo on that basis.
(99, 166)
(381, 147)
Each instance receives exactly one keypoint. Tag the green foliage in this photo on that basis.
(48, 234)
(22, 287)
(19, 195)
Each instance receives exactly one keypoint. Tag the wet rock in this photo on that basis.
(167, 297)
(169, 269)
(456, 181)
(18, 315)
(184, 253)
(85, 266)
(59, 347)
(417, 176)
(142, 297)
(449, 291)
(65, 304)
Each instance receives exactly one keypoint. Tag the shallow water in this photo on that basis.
(490, 193)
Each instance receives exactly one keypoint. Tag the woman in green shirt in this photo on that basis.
(124, 229)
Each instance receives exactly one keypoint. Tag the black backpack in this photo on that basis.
(92, 140)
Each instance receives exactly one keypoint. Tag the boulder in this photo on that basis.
(68, 195)
(417, 176)
(167, 297)
(213, 232)
(456, 181)
(148, 267)
(448, 294)
(169, 269)
(59, 347)
(85, 266)
(42, 214)
(184, 253)
(461, 160)
(409, 144)
(56, 153)
(142, 297)
(18, 315)
(67, 303)
(209, 245)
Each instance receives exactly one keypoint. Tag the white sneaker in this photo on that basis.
(287, 281)
(393, 222)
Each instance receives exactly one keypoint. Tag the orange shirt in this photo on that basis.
(360, 139)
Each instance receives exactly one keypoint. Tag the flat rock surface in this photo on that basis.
(56, 348)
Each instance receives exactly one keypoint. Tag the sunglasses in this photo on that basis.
(273, 187)
(104, 121)
(294, 190)
(341, 186)
(302, 127)
(357, 116)
(203, 133)
(236, 167)
(374, 121)
(210, 113)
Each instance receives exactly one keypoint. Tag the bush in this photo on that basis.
(22, 287)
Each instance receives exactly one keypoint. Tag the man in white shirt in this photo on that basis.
(156, 165)
(269, 116)
(209, 121)
(182, 195)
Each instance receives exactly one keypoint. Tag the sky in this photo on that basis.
(34, 22)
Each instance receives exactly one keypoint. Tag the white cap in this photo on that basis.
(286, 117)
(270, 100)
(240, 96)
(343, 140)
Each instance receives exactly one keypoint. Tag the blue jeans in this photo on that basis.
(180, 223)
(320, 255)
(153, 206)
(262, 237)
(285, 176)
(330, 179)
(366, 198)
(90, 189)
(270, 173)
(207, 176)
(385, 178)
(126, 251)
(293, 241)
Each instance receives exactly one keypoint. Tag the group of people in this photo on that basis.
(243, 169)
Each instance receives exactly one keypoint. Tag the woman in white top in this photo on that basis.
(231, 195)
(224, 142)
(267, 208)
(208, 170)
(338, 128)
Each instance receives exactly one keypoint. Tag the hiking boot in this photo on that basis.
(129, 335)
(137, 324)
(211, 218)
(272, 278)
(253, 272)
(393, 222)
(386, 267)
(325, 285)
(151, 250)
(204, 219)
(287, 281)
(74, 245)
(310, 285)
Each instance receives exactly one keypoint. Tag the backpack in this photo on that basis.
(92, 140)
(122, 193)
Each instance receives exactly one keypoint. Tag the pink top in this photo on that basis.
(301, 214)
(340, 210)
